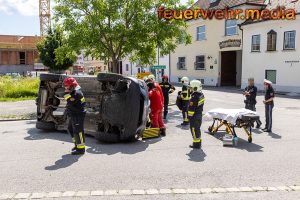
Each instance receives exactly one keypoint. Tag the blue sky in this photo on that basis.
(20, 17)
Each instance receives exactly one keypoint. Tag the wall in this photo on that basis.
(255, 63)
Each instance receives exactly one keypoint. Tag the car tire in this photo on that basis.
(107, 138)
(52, 77)
(47, 126)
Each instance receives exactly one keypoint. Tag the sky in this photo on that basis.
(20, 17)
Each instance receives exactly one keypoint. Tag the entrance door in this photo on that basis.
(228, 68)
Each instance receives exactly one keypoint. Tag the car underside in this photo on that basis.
(117, 106)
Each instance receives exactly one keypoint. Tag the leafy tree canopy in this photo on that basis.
(113, 29)
(54, 53)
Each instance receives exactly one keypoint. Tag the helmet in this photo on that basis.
(152, 77)
(70, 81)
(165, 77)
(145, 78)
(196, 85)
(185, 80)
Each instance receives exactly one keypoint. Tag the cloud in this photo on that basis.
(22, 7)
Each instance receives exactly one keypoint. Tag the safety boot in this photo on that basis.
(196, 145)
(185, 124)
(163, 132)
(78, 152)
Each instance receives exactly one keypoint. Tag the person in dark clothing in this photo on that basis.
(250, 93)
(195, 110)
(76, 113)
(269, 105)
(167, 89)
(185, 97)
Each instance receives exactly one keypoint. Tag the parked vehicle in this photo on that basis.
(117, 106)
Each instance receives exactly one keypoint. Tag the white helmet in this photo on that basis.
(151, 77)
(145, 78)
(185, 80)
(196, 85)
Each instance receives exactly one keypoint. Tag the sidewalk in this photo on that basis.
(17, 110)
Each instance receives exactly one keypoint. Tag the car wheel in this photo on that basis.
(48, 126)
(52, 77)
(107, 138)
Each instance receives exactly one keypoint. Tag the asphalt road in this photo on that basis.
(36, 161)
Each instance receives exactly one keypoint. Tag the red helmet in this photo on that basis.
(165, 77)
(70, 81)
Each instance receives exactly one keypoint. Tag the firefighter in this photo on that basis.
(167, 89)
(185, 97)
(250, 93)
(195, 110)
(156, 108)
(151, 77)
(76, 113)
(269, 104)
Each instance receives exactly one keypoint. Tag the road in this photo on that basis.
(33, 161)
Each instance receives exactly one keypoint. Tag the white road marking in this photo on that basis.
(151, 191)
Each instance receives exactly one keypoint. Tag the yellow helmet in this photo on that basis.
(185, 80)
(196, 85)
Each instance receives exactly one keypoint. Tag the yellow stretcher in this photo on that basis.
(246, 122)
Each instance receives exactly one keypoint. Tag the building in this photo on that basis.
(18, 54)
(215, 55)
(159, 68)
(271, 50)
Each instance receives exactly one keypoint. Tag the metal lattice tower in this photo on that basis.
(45, 16)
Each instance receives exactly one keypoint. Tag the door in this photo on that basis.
(228, 68)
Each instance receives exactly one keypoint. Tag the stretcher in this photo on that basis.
(231, 119)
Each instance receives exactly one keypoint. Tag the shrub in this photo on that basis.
(15, 88)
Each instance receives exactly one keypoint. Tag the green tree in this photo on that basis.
(113, 29)
(54, 52)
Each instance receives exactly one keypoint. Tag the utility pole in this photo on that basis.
(45, 16)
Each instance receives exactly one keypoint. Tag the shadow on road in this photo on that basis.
(242, 144)
(196, 155)
(274, 135)
(65, 161)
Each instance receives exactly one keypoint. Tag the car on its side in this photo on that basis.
(117, 105)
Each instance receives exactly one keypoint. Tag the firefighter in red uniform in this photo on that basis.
(152, 78)
(156, 107)
(76, 114)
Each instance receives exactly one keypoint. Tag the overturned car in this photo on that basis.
(117, 106)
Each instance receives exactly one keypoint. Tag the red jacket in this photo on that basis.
(155, 100)
(160, 92)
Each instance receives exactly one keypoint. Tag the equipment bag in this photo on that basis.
(151, 133)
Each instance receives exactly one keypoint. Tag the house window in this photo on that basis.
(201, 33)
(230, 27)
(127, 67)
(22, 59)
(181, 63)
(200, 63)
(255, 43)
(271, 75)
(271, 41)
(289, 40)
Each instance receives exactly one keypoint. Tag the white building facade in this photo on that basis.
(215, 54)
(271, 50)
(131, 69)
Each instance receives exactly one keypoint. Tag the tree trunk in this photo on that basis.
(115, 66)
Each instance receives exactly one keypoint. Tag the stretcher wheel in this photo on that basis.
(250, 139)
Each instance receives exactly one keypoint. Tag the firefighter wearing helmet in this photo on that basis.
(167, 89)
(195, 110)
(76, 114)
(185, 98)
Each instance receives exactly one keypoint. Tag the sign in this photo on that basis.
(230, 43)
(158, 67)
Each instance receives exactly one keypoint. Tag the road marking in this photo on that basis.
(152, 191)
